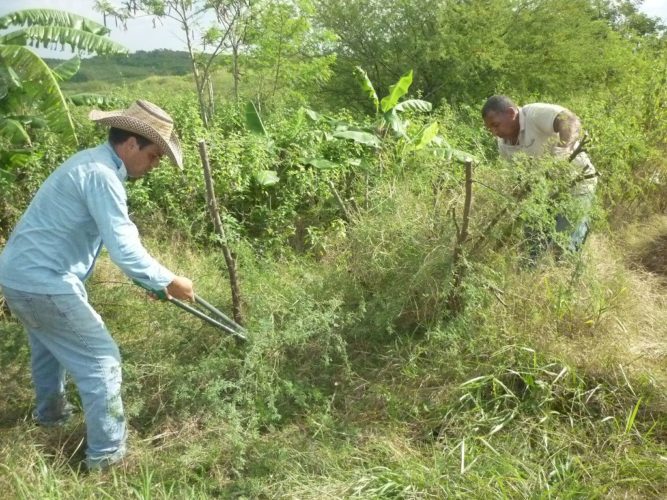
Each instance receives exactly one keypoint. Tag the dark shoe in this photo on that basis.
(100, 465)
(66, 414)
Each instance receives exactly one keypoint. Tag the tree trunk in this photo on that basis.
(211, 101)
(236, 71)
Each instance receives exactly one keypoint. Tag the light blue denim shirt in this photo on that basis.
(82, 205)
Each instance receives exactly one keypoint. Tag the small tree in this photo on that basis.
(234, 18)
(204, 44)
(287, 50)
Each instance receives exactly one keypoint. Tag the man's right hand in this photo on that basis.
(181, 288)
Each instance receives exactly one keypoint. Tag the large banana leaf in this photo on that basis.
(66, 70)
(9, 77)
(13, 131)
(253, 120)
(51, 17)
(426, 135)
(26, 69)
(414, 105)
(398, 125)
(31, 69)
(396, 91)
(61, 37)
(367, 86)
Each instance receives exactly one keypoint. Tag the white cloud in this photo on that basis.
(655, 8)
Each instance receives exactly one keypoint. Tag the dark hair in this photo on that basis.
(119, 136)
(497, 104)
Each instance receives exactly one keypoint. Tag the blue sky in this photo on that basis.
(142, 35)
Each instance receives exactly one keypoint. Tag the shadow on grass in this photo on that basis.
(66, 444)
(653, 256)
(16, 401)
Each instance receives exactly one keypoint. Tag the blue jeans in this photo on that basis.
(579, 230)
(67, 335)
(539, 241)
(578, 235)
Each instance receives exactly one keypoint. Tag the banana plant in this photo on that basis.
(389, 110)
(30, 93)
(390, 106)
(255, 124)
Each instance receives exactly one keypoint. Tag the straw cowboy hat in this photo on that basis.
(147, 120)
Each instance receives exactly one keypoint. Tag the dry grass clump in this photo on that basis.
(643, 326)
(646, 247)
(601, 311)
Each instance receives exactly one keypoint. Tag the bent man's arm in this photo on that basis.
(567, 126)
(106, 201)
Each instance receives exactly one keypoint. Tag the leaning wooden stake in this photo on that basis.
(483, 237)
(455, 299)
(220, 231)
(339, 199)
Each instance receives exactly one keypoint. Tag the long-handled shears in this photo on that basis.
(221, 320)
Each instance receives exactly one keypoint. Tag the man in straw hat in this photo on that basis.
(51, 252)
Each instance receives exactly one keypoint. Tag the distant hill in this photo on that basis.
(132, 67)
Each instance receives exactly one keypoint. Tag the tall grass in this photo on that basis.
(355, 384)
(519, 398)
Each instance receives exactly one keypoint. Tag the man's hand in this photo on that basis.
(180, 288)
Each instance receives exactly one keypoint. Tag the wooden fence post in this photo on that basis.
(455, 300)
(214, 212)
